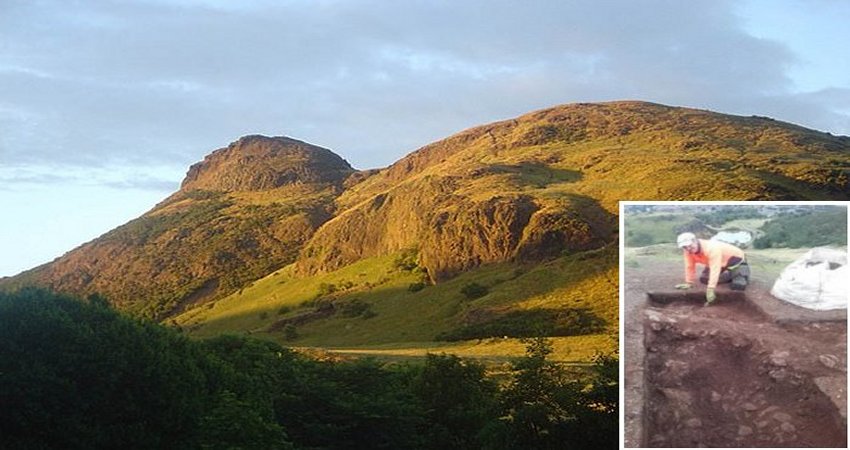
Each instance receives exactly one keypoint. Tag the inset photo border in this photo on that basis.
(733, 324)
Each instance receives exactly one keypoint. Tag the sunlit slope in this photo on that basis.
(634, 148)
(380, 301)
(550, 181)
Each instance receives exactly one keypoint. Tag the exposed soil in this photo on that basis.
(724, 379)
(745, 372)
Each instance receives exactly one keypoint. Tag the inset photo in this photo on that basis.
(734, 319)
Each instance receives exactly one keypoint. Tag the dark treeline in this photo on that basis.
(76, 374)
(805, 229)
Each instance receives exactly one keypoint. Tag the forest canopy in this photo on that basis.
(76, 374)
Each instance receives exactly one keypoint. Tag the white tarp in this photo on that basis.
(818, 280)
(738, 238)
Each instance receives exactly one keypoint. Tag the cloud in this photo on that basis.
(24, 178)
(164, 82)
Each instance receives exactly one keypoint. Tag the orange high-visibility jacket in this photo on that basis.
(715, 255)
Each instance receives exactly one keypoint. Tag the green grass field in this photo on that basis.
(493, 352)
(404, 324)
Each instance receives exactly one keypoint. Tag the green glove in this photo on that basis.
(683, 286)
(710, 296)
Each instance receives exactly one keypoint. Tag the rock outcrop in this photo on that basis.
(256, 163)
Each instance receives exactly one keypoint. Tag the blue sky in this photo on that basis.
(104, 103)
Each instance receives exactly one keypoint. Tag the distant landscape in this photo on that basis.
(781, 234)
(465, 296)
(772, 226)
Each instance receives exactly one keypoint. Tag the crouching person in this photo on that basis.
(724, 263)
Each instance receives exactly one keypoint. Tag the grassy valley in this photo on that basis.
(381, 303)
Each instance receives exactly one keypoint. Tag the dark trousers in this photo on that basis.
(739, 275)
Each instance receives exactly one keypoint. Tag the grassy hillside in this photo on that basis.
(806, 230)
(400, 319)
(241, 213)
(634, 150)
(561, 173)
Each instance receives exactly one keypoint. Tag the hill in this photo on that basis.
(244, 211)
(485, 233)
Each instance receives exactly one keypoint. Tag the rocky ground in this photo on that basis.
(750, 371)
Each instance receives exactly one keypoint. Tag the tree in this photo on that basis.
(545, 407)
(599, 401)
(236, 424)
(93, 378)
(458, 401)
(348, 405)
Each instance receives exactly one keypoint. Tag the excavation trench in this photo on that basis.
(728, 376)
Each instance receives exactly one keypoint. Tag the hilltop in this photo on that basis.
(279, 237)
(244, 211)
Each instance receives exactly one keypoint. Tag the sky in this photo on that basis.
(104, 104)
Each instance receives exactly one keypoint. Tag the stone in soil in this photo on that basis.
(829, 361)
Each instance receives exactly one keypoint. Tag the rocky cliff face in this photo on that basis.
(454, 232)
(474, 233)
(256, 163)
(549, 182)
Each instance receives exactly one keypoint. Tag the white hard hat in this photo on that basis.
(686, 239)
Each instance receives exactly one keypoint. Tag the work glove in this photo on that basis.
(683, 286)
(710, 296)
